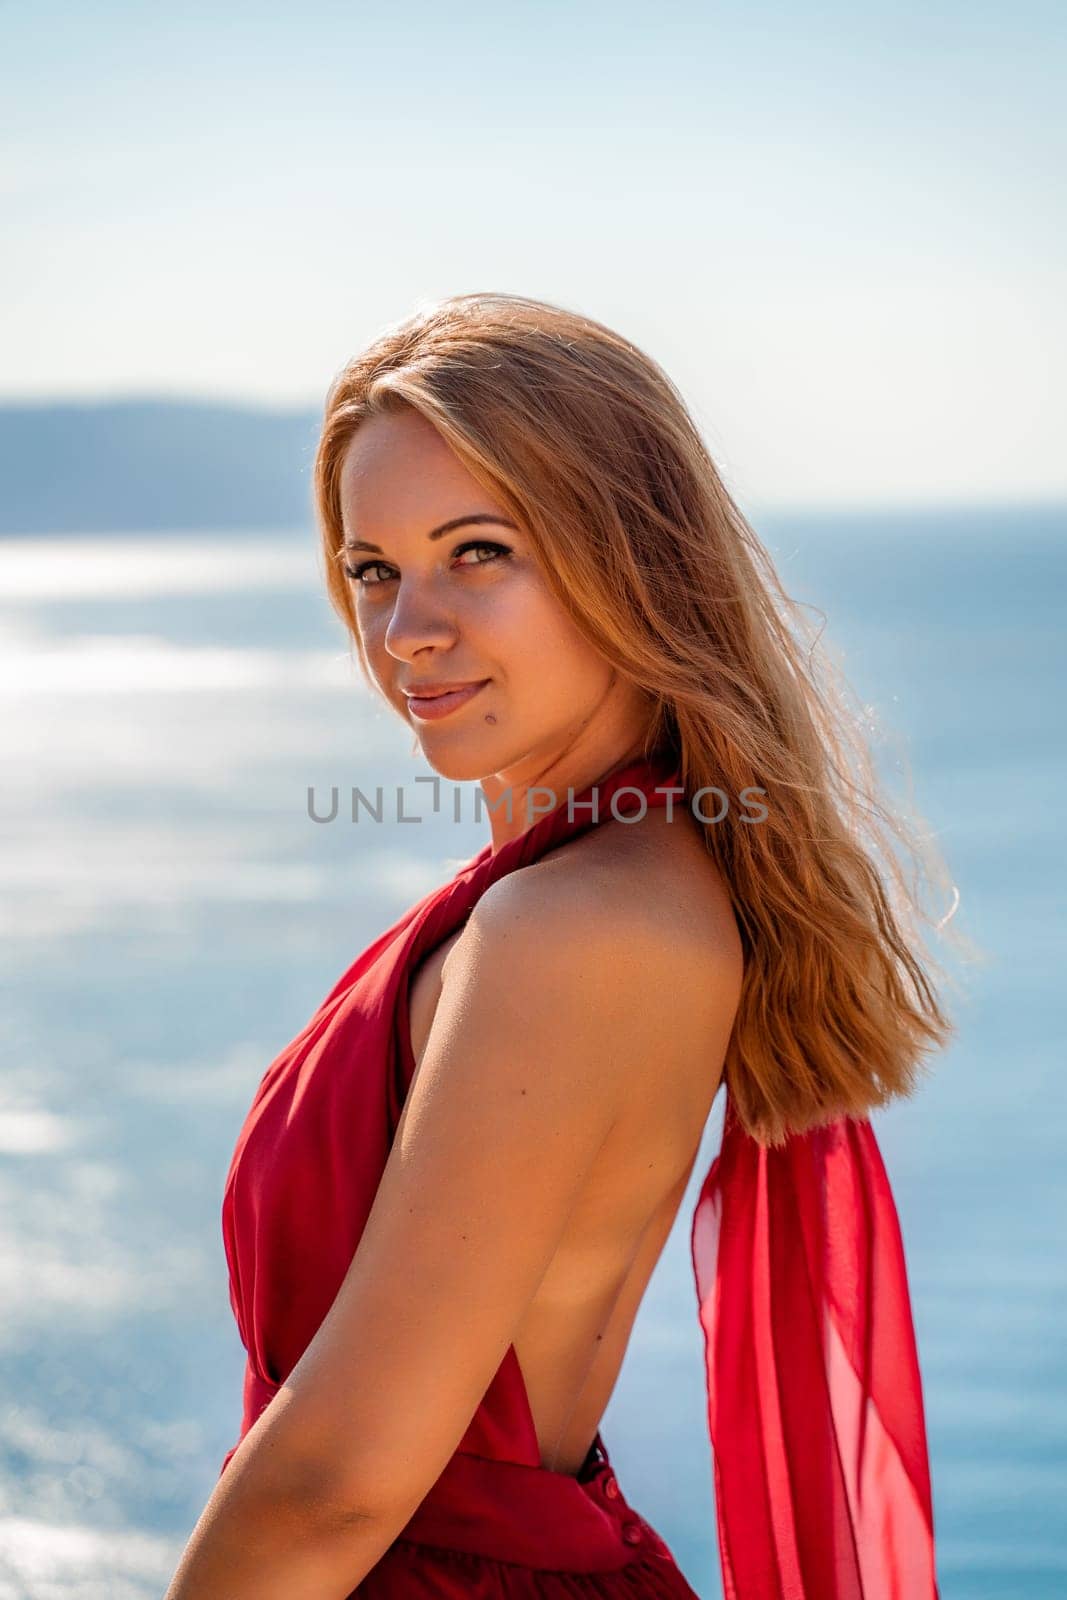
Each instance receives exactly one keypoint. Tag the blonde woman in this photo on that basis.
(452, 1188)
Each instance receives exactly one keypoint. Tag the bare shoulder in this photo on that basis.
(613, 928)
(648, 882)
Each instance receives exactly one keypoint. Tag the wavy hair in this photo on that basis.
(591, 448)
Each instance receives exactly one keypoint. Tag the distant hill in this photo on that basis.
(141, 465)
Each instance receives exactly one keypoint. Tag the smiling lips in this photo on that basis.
(430, 707)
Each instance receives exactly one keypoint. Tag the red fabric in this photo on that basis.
(300, 1186)
(814, 1396)
(795, 1335)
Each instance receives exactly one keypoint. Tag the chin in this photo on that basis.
(458, 764)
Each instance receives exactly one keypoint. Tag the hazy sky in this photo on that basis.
(841, 228)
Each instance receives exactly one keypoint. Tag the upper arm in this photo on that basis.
(545, 1014)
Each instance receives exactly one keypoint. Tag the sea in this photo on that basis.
(171, 914)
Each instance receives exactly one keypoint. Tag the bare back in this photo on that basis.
(572, 1341)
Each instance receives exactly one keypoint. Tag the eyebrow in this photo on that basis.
(477, 517)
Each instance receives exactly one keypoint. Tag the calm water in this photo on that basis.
(171, 917)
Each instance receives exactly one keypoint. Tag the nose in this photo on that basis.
(419, 620)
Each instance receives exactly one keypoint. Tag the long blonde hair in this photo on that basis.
(589, 446)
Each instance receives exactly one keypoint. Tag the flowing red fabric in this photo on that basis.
(815, 1405)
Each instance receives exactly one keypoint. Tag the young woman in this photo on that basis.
(453, 1186)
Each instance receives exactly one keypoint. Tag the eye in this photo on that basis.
(480, 544)
(356, 573)
(496, 552)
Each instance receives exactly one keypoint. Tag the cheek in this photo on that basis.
(371, 625)
(540, 646)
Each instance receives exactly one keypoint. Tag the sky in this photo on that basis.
(839, 228)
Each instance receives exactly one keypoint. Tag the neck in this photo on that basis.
(540, 787)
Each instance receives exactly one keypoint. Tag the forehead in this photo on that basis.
(398, 469)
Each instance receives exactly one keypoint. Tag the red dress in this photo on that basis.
(815, 1408)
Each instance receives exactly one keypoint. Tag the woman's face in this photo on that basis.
(447, 591)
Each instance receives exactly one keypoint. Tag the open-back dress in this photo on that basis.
(815, 1407)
